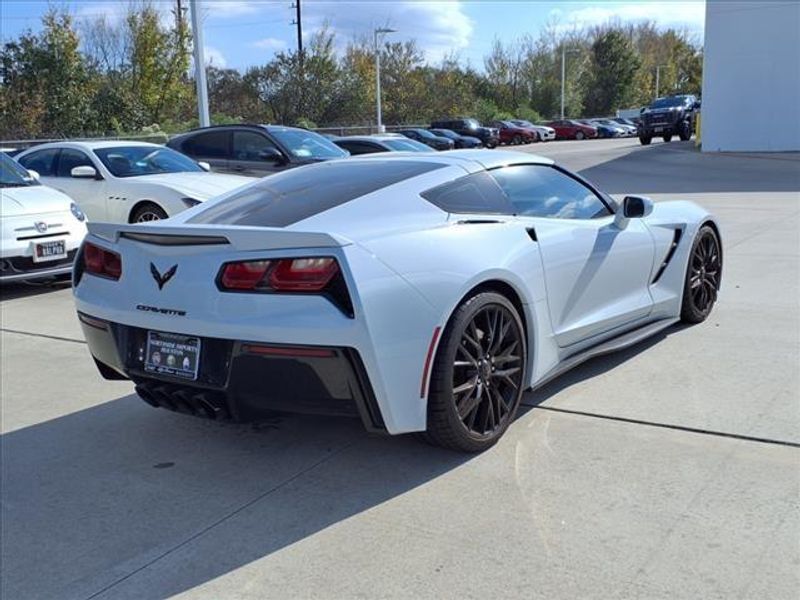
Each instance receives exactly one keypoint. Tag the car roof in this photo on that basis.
(469, 159)
(365, 138)
(91, 145)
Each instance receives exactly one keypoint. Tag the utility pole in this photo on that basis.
(199, 63)
(564, 52)
(376, 33)
(298, 21)
(658, 77)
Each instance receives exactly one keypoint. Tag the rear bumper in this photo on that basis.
(239, 380)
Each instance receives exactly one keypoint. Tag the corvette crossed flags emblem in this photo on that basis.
(162, 280)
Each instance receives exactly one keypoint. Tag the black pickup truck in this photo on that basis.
(668, 116)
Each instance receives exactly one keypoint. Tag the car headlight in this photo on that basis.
(76, 212)
(190, 202)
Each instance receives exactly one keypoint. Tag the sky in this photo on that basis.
(241, 33)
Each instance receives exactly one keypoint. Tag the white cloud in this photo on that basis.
(664, 13)
(270, 43)
(214, 57)
(438, 27)
(231, 8)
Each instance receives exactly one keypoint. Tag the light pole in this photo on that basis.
(199, 64)
(658, 77)
(376, 33)
(563, 74)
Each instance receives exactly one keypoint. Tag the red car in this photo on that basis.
(514, 134)
(572, 130)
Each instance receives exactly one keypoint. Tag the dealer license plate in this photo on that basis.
(172, 354)
(44, 251)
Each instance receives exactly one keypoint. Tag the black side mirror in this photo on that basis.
(636, 207)
(271, 154)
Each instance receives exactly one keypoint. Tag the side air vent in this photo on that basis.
(479, 222)
(676, 238)
(159, 239)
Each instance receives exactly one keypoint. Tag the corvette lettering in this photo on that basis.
(172, 312)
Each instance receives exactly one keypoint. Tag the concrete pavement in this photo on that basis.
(669, 470)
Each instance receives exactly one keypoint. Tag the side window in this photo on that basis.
(43, 162)
(212, 144)
(248, 145)
(356, 148)
(476, 193)
(543, 191)
(70, 159)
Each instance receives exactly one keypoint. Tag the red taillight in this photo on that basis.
(244, 275)
(308, 274)
(102, 262)
(303, 274)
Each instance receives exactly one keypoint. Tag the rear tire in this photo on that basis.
(685, 132)
(667, 138)
(645, 140)
(703, 276)
(478, 375)
(517, 140)
(148, 212)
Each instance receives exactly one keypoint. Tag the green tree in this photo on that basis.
(46, 85)
(611, 80)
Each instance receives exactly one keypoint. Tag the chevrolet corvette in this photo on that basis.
(419, 292)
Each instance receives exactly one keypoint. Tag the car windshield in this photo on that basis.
(12, 174)
(668, 102)
(406, 146)
(307, 144)
(473, 124)
(522, 123)
(423, 133)
(445, 133)
(133, 161)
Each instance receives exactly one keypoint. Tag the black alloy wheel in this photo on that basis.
(478, 375)
(703, 277)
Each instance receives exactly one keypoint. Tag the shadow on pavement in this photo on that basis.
(99, 494)
(103, 493)
(12, 291)
(652, 170)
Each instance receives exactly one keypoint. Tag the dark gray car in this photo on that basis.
(255, 150)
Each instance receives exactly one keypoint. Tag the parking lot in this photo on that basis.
(669, 470)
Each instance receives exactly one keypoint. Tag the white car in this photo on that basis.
(126, 182)
(546, 134)
(41, 227)
(420, 292)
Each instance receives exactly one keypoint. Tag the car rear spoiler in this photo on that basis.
(241, 238)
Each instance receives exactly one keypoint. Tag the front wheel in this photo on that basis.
(579, 135)
(645, 140)
(148, 212)
(478, 374)
(703, 276)
(685, 132)
(517, 140)
(667, 138)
